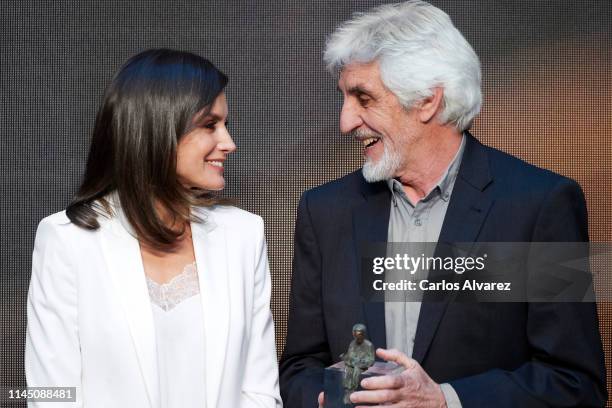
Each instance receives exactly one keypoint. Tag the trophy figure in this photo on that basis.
(343, 378)
(358, 358)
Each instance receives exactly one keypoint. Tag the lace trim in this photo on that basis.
(183, 286)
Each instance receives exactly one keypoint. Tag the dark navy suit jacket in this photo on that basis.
(493, 354)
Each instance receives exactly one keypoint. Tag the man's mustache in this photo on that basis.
(361, 134)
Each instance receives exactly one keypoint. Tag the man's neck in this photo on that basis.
(428, 162)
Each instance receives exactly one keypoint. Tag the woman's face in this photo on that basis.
(201, 153)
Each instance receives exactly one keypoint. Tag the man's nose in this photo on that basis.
(350, 118)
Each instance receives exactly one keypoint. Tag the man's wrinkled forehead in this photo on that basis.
(359, 78)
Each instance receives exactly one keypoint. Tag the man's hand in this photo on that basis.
(411, 388)
(321, 400)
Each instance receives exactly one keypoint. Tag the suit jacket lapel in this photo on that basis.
(210, 246)
(371, 224)
(122, 253)
(467, 210)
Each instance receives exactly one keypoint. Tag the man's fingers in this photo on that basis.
(397, 357)
(381, 406)
(375, 397)
(321, 400)
(382, 382)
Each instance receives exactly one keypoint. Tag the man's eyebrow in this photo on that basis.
(357, 90)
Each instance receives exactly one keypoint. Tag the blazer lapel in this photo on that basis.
(122, 253)
(371, 224)
(210, 246)
(468, 208)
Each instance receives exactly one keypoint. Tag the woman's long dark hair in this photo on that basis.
(148, 106)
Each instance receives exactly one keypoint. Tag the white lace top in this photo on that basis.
(179, 329)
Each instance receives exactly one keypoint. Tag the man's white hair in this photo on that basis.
(418, 48)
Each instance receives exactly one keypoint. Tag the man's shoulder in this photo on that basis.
(513, 172)
(342, 188)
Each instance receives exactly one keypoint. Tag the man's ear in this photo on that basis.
(429, 107)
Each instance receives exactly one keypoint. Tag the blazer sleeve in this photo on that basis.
(306, 351)
(260, 386)
(567, 362)
(52, 352)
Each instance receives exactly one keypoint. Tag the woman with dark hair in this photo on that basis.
(148, 291)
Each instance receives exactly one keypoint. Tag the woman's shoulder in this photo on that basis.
(58, 218)
(230, 216)
(54, 231)
(54, 222)
(59, 223)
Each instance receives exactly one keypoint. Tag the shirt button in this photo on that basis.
(446, 195)
(417, 222)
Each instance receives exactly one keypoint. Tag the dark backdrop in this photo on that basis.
(546, 78)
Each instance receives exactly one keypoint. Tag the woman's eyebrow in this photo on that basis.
(209, 117)
(212, 116)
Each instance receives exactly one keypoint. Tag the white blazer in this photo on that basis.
(90, 323)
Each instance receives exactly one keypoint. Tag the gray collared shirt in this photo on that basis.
(420, 222)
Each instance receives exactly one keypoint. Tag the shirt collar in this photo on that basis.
(445, 183)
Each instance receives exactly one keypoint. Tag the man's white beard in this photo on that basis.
(385, 168)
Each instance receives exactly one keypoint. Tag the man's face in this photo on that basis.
(373, 115)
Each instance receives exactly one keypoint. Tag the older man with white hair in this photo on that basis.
(411, 89)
